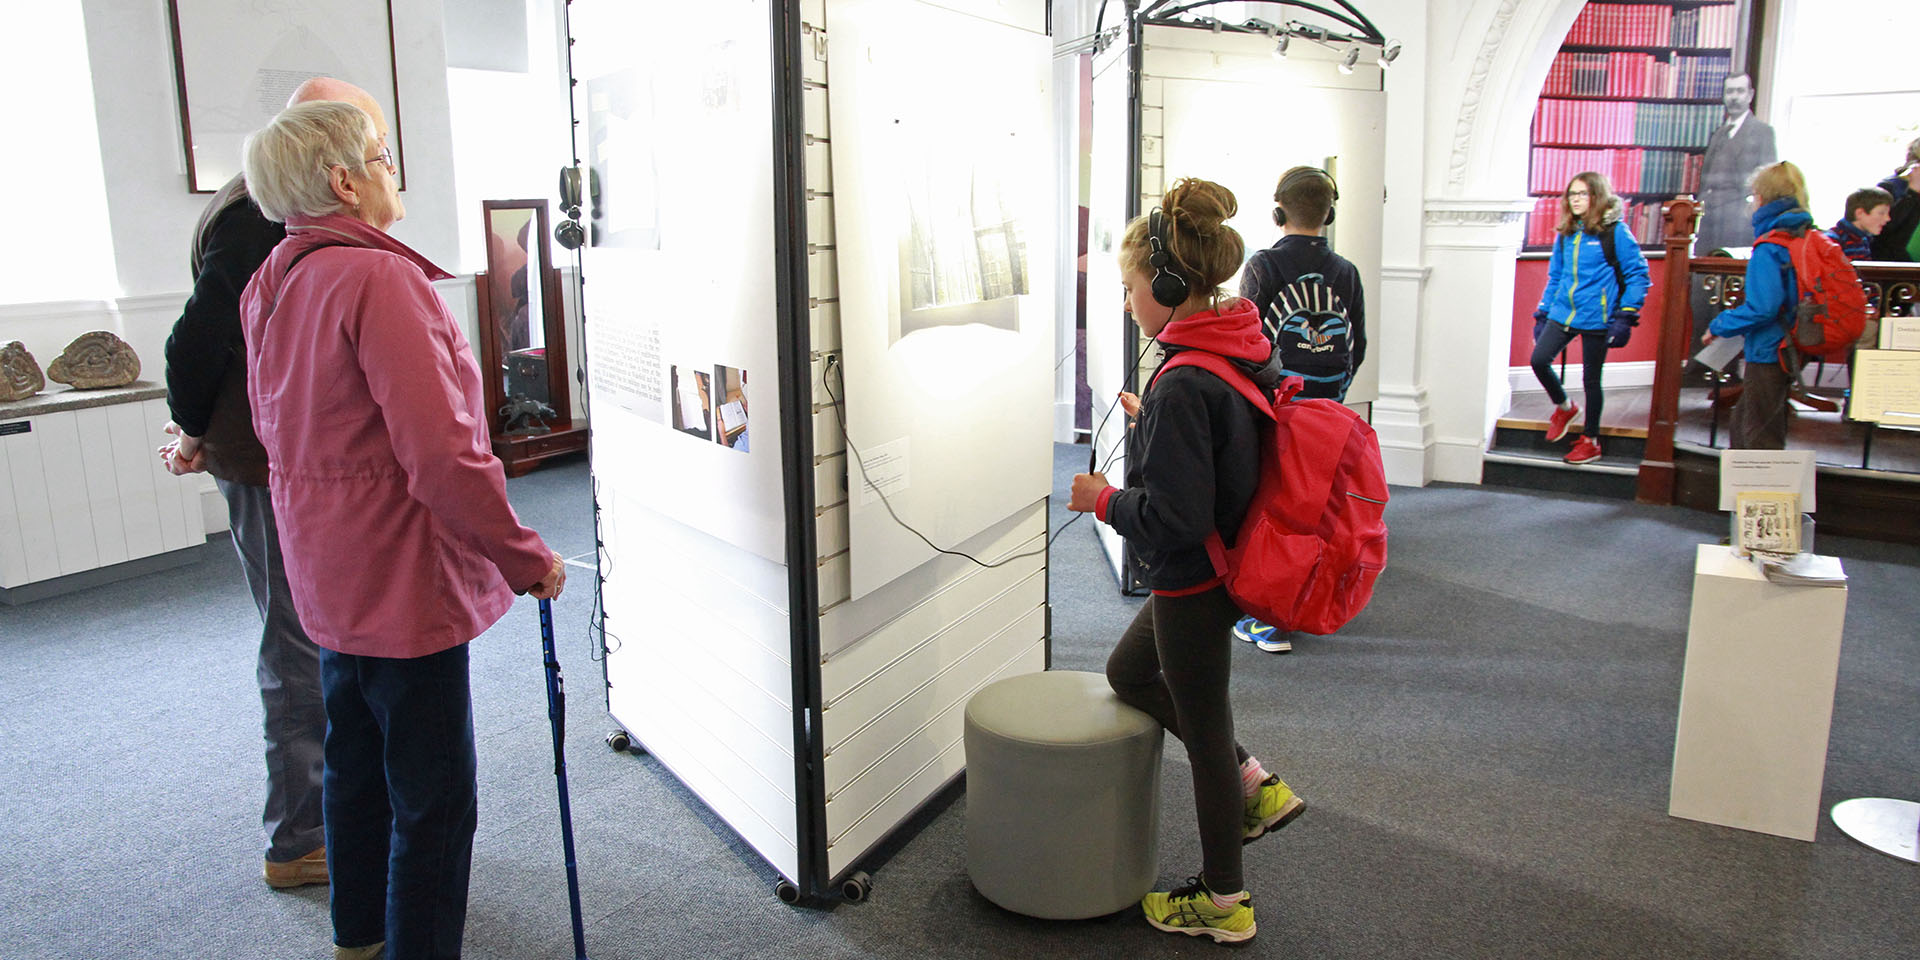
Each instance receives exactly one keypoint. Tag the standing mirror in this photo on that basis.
(523, 339)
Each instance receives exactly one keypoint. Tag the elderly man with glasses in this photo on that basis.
(400, 544)
(213, 431)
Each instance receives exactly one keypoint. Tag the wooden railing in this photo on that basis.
(1893, 289)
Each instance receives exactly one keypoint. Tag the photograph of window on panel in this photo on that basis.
(1634, 93)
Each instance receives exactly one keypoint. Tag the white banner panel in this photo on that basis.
(676, 110)
(675, 104)
(1108, 353)
(944, 221)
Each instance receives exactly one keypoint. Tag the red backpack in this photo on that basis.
(1314, 540)
(1832, 311)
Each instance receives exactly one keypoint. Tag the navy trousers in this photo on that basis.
(400, 798)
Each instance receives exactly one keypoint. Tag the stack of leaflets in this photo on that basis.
(1801, 569)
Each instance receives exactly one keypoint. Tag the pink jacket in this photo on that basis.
(393, 514)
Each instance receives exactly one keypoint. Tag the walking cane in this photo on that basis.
(557, 714)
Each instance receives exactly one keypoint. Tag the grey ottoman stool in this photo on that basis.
(1063, 796)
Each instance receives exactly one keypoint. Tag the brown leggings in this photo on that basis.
(1173, 662)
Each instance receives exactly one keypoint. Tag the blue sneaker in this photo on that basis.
(1263, 635)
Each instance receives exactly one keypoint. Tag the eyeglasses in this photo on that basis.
(1577, 193)
(384, 158)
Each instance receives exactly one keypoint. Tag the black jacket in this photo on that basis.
(1193, 459)
(1296, 255)
(206, 354)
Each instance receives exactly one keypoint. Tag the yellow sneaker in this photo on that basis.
(1190, 910)
(1273, 807)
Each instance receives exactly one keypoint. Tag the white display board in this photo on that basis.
(946, 272)
(1108, 329)
(1309, 114)
(675, 103)
(679, 301)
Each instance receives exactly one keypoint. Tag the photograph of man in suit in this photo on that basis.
(1741, 145)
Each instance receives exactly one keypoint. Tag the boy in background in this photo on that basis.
(1868, 210)
(1310, 300)
(1311, 307)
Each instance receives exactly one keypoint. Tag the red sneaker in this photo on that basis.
(1585, 450)
(1558, 423)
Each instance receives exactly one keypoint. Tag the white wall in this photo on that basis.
(151, 214)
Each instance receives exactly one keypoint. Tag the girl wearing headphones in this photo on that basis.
(1192, 465)
(1596, 284)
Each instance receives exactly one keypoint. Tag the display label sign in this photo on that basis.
(17, 426)
(1779, 471)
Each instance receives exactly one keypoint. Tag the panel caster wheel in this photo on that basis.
(786, 892)
(619, 741)
(856, 887)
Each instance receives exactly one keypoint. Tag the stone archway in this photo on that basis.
(1488, 63)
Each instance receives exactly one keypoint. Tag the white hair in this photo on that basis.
(289, 161)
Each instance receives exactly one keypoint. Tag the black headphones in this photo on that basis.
(1170, 289)
(1294, 176)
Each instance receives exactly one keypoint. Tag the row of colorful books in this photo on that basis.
(1642, 219)
(1650, 25)
(1630, 169)
(1679, 125)
(1684, 76)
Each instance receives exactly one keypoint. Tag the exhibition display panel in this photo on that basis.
(1170, 101)
(818, 306)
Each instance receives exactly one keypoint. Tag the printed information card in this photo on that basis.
(1772, 471)
(1886, 387)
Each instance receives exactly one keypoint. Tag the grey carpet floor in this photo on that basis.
(1485, 753)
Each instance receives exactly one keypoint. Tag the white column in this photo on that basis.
(1470, 246)
(1402, 416)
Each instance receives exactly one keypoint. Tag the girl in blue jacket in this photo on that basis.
(1779, 203)
(1587, 297)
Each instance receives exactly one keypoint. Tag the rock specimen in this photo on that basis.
(19, 375)
(95, 360)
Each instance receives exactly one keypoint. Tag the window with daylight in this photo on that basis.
(54, 160)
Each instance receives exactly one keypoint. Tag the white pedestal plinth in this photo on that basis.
(1756, 699)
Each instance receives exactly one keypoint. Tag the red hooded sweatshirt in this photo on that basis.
(1193, 458)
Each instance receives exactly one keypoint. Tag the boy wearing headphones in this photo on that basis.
(1311, 307)
(1310, 300)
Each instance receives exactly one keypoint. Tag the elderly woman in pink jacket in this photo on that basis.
(400, 544)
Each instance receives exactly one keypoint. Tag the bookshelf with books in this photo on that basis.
(1634, 93)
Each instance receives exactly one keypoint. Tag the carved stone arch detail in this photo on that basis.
(1504, 80)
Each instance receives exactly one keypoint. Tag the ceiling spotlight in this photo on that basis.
(1389, 53)
(1280, 48)
(1352, 57)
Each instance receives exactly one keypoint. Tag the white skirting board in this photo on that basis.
(1614, 376)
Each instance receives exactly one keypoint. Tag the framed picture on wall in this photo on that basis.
(236, 62)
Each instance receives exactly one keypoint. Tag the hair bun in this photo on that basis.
(1200, 205)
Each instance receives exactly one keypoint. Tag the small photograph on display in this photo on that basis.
(730, 407)
(623, 186)
(693, 401)
(964, 253)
